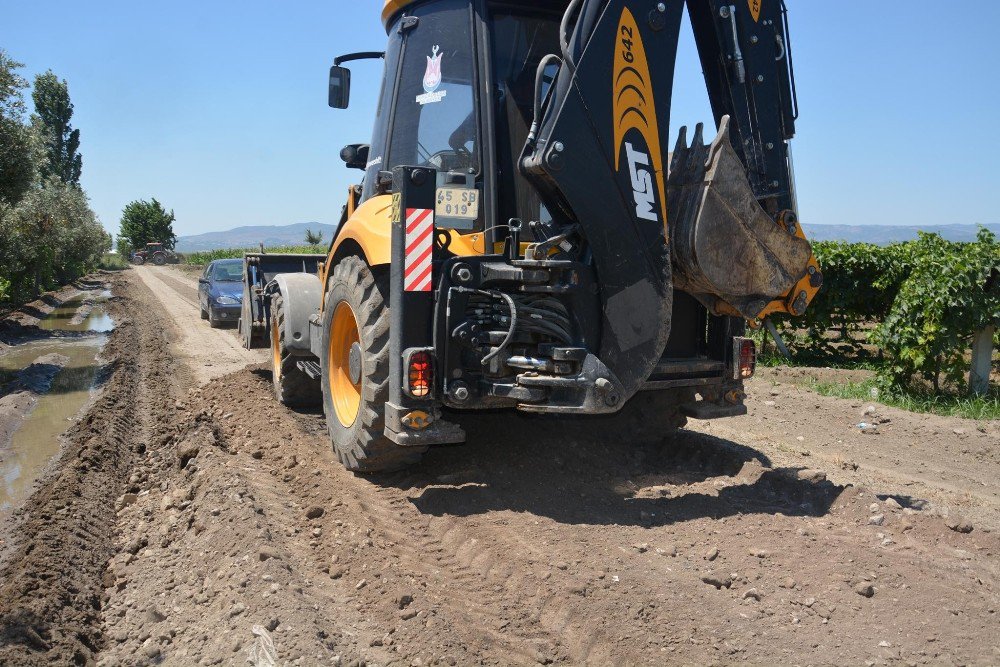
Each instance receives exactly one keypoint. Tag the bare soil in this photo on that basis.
(191, 519)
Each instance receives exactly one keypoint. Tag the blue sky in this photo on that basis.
(219, 109)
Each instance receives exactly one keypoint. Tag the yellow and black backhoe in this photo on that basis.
(523, 238)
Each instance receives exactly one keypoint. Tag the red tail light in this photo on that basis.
(745, 356)
(419, 374)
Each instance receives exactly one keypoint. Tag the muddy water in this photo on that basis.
(86, 324)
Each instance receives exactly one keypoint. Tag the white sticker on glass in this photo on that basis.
(432, 79)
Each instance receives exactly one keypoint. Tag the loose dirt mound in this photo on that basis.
(223, 525)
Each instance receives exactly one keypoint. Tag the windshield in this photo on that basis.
(520, 41)
(435, 122)
(227, 271)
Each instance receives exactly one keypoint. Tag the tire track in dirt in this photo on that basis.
(51, 572)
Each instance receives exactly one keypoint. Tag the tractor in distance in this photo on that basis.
(154, 253)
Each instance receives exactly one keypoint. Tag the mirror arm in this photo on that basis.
(360, 55)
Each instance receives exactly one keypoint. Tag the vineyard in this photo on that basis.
(202, 258)
(909, 310)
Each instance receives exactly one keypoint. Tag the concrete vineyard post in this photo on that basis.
(982, 358)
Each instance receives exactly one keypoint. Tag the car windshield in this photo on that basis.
(228, 271)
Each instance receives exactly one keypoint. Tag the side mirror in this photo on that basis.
(340, 87)
(355, 156)
(202, 281)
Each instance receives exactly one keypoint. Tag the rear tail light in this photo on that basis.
(744, 358)
(419, 374)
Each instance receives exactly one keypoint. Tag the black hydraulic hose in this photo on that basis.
(537, 105)
(510, 332)
(547, 328)
(564, 29)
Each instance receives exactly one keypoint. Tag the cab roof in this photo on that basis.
(391, 7)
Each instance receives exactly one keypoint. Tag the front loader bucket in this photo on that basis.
(727, 251)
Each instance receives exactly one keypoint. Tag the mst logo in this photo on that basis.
(642, 183)
(636, 131)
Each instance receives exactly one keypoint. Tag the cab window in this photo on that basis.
(436, 122)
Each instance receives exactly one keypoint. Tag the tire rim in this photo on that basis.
(275, 350)
(343, 336)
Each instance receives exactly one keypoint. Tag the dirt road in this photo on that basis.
(189, 523)
(207, 353)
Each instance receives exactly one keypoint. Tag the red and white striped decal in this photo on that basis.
(419, 249)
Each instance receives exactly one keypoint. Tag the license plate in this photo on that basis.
(457, 203)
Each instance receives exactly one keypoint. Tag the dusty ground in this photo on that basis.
(201, 523)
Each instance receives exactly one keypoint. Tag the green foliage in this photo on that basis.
(145, 222)
(19, 149)
(53, 112)
(112, 261)
(314, 238)
(48, 233)
(860, 283)
(50, 238)
(203, 258)
(952, 291)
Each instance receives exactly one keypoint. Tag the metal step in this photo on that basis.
(310, 368)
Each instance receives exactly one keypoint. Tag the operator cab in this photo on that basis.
(443, 56)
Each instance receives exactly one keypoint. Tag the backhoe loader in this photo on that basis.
(523, 237)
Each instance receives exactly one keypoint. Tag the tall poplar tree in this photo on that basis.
(53, 112)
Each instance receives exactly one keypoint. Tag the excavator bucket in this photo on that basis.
(727, 251)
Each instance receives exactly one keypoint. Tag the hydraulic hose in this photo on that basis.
(510, 332)
(537, 104)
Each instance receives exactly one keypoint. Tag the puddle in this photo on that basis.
(78, 315)
(36, 441)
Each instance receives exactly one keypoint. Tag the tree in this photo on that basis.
(145, 222)
(54, 238)
(19, 153)
(53, 111)
(314, 238)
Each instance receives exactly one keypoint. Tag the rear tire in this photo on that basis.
(159, 259)
(649, 416)
(356, 302)
(291, 386)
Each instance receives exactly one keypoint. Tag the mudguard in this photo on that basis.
(609, 110)
(301, 295)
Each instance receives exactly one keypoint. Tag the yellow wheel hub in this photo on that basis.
(275, 350)
(345, 385)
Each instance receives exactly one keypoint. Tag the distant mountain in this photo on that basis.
(886, 234)
(252, 237)
(278, 235)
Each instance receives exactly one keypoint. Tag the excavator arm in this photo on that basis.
(717, 221)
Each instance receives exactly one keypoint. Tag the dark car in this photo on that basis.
(220, 291)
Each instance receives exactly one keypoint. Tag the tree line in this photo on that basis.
(48, 233)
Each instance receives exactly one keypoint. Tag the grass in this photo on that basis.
(113, 262)
(914, 399)
(980, 408)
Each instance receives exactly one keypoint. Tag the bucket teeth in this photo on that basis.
(724, 246)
